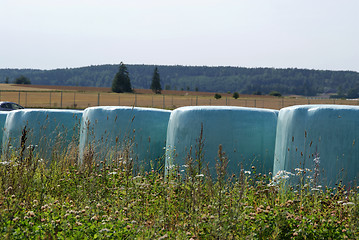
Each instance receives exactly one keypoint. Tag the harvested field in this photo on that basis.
(39, 96)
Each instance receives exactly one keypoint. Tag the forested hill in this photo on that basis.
(201, 78)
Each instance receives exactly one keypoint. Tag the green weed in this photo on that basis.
(48, 199)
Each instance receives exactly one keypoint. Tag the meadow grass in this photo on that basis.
(58, 199)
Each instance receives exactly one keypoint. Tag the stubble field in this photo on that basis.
(34, 96)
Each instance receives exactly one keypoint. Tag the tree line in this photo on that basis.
(202, 78)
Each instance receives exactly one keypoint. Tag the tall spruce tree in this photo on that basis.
(122, 83)
(156, 82)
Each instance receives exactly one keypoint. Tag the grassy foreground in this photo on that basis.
(62, 200)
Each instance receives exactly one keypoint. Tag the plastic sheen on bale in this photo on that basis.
(247, 136)
(320, 139)
(109, 132)
(3, 116)
(48, 131)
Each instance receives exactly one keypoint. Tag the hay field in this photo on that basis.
(38, 96)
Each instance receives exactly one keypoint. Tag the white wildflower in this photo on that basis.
(348, 204)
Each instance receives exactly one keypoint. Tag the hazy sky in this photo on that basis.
(48, 34)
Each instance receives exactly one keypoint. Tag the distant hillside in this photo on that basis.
(202, 78)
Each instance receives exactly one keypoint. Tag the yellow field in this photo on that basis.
(79, 97)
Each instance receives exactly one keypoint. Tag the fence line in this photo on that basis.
(68, 99)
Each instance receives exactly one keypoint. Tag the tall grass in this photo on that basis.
(59, 199)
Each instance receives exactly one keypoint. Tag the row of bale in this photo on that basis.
(316, 139)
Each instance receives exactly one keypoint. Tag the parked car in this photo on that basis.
(9, 106)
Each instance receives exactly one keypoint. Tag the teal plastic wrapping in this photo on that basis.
(48, 131)
(247, 136)
(108, 131)
(3, 116)
(321, 140)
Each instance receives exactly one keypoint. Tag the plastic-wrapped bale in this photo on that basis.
(247, 136)
(3, 116)
(320, 139)
(107, 133)
(50, 132)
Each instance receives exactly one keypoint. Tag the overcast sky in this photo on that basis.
(48, 34)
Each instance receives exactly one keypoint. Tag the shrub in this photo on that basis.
(22, 80)
(217, 96)
(275, 94)
(235, 95)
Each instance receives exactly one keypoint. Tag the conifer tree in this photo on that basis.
(121, 82)
(156, 82)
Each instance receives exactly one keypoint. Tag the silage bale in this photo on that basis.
(107, 132)
(48, 131)
(322, 140)
(247, 136)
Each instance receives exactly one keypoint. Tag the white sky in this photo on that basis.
(48, 34)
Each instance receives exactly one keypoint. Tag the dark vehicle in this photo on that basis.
(9, 106)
